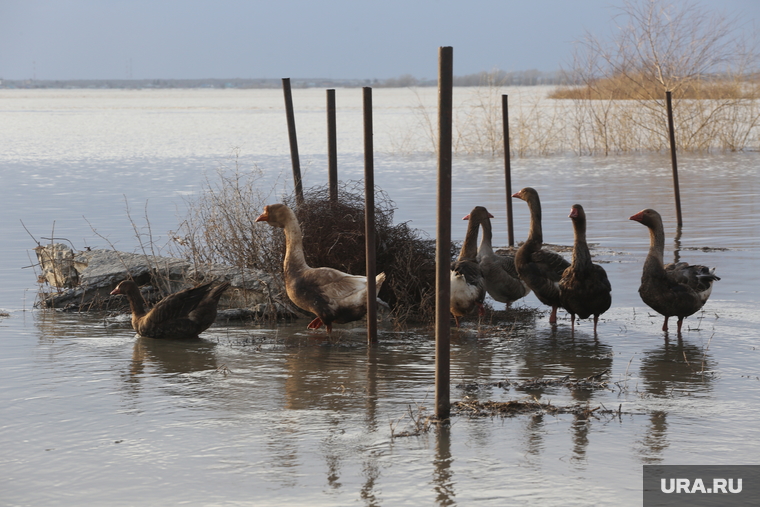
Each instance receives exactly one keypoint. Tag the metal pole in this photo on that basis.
(672, 133)
(369, 218)
(443, 234)
(332, 147)
(508, 170)
(293, 139)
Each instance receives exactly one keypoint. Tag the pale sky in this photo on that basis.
(340, 39)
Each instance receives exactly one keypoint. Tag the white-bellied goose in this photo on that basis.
(332, 295)
(467, 286)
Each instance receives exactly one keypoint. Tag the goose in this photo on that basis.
(468, 288)
(584, 288)
(540, 269)
(181, 315)
(673, 290)
(332, 295)
(502, 282)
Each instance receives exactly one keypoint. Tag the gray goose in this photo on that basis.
(181, 315)
(499, 272)
(540, 269)
(584, 289)
(673, 290)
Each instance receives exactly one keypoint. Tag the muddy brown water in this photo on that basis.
(276, 415)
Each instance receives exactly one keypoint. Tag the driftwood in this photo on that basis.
(83, 281)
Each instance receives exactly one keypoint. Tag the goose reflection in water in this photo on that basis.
(672, 370)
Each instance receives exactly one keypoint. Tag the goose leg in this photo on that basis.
(680, 321)
(665, 325)
(572, 324)
(596, 321)
(553, 316)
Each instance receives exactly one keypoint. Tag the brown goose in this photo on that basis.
(540, 269)
(467, 286)
(675, 290)
(332, 295)
(584, 289)
(499, 272)
(184, 314)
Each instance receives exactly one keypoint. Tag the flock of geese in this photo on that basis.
(579, 286)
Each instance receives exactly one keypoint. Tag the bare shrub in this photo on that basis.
(702, 58)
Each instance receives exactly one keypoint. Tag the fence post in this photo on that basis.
(674, 162)
(332, 147)
(443, 235)
(369, 217)
(508, 170)
(293, 139)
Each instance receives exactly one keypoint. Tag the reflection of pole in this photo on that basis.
(507, 170)
(443, 475)
(293, 139)
(671, 132)
(443, 233)
(369, 218)
(677, 248)
(332, 147)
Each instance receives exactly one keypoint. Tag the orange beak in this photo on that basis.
(638, 216)
(264, 217)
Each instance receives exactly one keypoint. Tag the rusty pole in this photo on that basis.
(674, 162)
(507, 170)
(332, 147)
(443, 234)
(369, 218)
(293, 139)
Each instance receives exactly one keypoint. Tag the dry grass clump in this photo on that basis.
(626, 87)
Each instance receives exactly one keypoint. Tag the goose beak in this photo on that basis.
(490, 216)
(517, 194)
(573, 213)
(264, 217)
(466, 217)
(637, 217)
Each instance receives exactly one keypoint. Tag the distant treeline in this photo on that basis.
(521, 78)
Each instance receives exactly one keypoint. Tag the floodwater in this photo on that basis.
(92, 415)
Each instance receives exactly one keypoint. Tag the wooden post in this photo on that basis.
(369, 218)
(332, 147)
(507, 170)
(674, 162)
(443, 234)
(293, 139)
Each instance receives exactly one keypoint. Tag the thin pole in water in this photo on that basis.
(369, 218)
(443, 234)
(507, 170)
(293, 139)
(332, 147)
(674, 162)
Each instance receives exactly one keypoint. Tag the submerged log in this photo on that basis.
(83, 281)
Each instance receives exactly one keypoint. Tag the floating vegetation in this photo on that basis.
(474, 408)
(589, 383)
